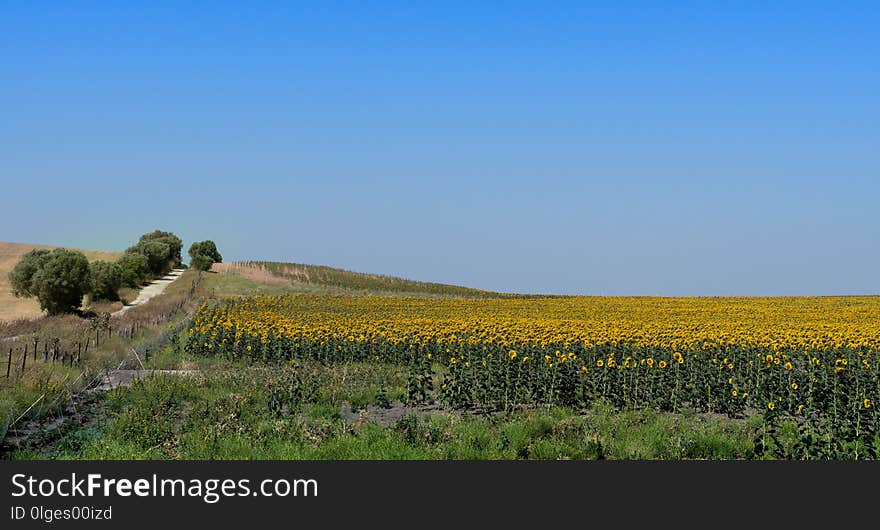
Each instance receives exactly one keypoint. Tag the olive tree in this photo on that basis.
(106, 280)
(203, 254)
(57, 278)
(135, 268)
(161, 249)
(22, 275)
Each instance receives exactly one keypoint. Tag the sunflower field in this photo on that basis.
(801, 362)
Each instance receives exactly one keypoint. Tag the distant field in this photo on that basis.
(12, 308)
(317, 279)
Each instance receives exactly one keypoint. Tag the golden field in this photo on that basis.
(797, 323)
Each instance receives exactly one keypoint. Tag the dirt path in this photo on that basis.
(125, 377)
(150, 291)
(154, 289)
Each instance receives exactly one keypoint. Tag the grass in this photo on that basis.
(148, 322)
(12, 308)
(235, 414)
(128, 295)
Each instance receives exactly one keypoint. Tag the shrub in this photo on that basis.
(162, 250)
(106, 280)
(201, 262)
(22, 275)
(58, 278)
(203, 254)
(156, 253)
(134, 268)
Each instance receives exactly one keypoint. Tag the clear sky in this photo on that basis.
(651, 148)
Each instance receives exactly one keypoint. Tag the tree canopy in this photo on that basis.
(161, 250)
(135, 269)
(58, 278)
(106, 280)
(203, 254)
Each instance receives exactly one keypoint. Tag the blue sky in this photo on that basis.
(649, 148)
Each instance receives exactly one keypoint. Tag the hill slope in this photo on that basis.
(317, 278)
(11, 307)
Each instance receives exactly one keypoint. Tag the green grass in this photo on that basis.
(281, 412)
(19, 391)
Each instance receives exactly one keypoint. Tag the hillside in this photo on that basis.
(299, 277)
(12, 308)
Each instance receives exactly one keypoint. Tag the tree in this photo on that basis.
(22, 275)
(106, 280)
(201, 262)
(207, 248)
(157, 254)
(134, 269)
(162, 250)
(58, 279)
(203, 254)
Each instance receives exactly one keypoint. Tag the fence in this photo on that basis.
(65, 399)
(97, 330)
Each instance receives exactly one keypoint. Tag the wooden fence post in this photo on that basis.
(23, 362)
(36, 341)
(9, 363)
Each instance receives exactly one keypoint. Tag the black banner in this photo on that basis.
(110, 494)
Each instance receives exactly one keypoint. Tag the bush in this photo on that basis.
(22, 275)
(201, 262)
(106, 280)
(162, 250)
(157, 254)
(134, 268)
(203, 254)
(206, 248)
(58, 278)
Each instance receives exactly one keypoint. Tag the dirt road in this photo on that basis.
(150, 291)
